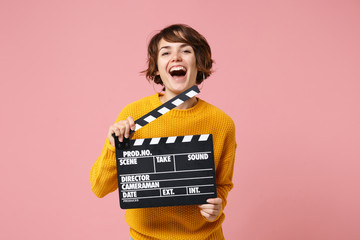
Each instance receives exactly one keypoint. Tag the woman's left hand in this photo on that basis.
(211, 210)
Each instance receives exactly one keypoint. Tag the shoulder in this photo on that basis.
(218, 116)
(138, 108)
(143, 102)
(221, 126)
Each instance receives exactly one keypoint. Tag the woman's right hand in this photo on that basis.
(121, 130)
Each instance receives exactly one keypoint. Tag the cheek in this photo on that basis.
(193, 61)
(161, 66)
(193, 64)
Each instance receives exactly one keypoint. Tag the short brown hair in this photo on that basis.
(180, 33)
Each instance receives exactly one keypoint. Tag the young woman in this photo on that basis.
(178, 58)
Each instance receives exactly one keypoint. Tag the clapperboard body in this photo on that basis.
(167, 171)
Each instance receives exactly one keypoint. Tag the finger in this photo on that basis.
(131, 123)
(111, 139)
(119, 130)
(121, 135)
(208, 206)
(115, 129)
(205, 214)
(208, 216)
(127, 130)
(216, 201)
(112, 130)
(211, 212)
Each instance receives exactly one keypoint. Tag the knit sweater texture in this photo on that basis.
(178, 222)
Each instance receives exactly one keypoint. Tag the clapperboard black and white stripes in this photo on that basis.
(166, 107)
(166, 171)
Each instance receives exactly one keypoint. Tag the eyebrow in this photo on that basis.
(168, 47)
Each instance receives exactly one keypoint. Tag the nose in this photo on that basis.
(176, 57)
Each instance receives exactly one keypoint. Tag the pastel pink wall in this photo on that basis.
(287, 72)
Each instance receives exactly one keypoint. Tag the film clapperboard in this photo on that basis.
(166, 171)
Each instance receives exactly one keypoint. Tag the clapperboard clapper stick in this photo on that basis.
(166, 171)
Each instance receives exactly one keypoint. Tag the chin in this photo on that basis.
(178, 84)
(179, 87)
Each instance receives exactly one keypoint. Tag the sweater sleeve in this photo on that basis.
(224, 173)
(103, 174)
(225, 168)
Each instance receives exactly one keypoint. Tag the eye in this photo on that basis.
(187, 51)
(164, 53)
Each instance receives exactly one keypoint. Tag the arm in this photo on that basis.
(103, 174)
(224, 173)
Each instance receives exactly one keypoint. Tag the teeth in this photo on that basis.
(177, 68)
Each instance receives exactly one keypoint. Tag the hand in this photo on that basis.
(211, 210)
(121, 129)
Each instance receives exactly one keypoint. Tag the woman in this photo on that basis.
(178, 58)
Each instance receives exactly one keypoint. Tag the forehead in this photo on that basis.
(163, 44)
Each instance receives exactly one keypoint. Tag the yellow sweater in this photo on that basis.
(179, 222)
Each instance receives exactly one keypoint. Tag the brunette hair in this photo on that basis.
(180, 33)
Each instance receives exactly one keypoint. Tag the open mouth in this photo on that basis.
(177, 71)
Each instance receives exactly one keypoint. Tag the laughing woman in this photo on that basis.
(178, 58)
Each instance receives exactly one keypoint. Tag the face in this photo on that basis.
(176, 66)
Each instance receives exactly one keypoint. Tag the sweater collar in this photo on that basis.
(155, 101)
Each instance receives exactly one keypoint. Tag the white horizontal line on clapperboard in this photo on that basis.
(179, 195)
(191, 170)
(171, 154)
(132, 190)
(170, 179)
(186, 139)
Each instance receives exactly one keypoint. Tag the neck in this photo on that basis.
(185, 105)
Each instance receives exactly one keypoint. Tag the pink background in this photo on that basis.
(287, 72)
